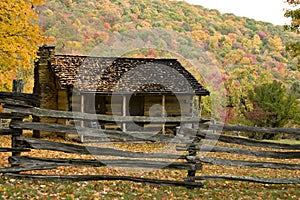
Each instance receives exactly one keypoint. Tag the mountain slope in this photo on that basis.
(238, 46)
(79, 26)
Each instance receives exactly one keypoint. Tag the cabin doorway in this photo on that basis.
(136, 108)
(136, 105)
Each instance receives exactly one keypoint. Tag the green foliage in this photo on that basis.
(178, 16)
(272, 105)
(240, 80)
(244, 50)
(294, 46)
(295, 87)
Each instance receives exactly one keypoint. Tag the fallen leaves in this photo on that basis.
(37, 189)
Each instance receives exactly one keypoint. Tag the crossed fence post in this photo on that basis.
(18, 86)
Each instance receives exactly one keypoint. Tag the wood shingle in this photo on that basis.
(124, 75)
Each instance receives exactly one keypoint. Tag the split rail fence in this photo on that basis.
(17, 106)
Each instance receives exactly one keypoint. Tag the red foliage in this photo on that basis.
(107, 26)
(262, 35)
(258, 115)
(229, 114)
(151, 53)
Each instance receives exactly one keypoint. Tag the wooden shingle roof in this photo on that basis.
(124, 75)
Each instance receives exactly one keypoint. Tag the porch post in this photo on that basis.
(197, 110)
(82, 111)
(163, 112)
(124, 112)
(199, 106)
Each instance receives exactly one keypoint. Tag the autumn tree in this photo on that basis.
(294, 14)
(240, 80)
(272, 106)
(19, 39)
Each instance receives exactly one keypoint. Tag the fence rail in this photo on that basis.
(110, 118)
(189, 142)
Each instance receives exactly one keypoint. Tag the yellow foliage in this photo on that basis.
(242, 80)
(169, 27)
(245, 61)
(256, 40)
(197, 26)
(229, 22)
(275, 43)
(247, 43)
(199, 35)
(234, 57)
(227, 43)
(19, 39)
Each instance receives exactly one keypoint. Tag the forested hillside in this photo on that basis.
(227, 51)
(246, 51)
(79, 26)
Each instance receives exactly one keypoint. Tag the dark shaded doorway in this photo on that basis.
(136, 105)
(136, 108)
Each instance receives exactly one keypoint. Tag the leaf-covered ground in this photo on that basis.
(12, 188)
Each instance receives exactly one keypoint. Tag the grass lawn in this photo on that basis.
(12, 188)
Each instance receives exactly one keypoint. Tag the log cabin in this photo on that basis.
(115, 86)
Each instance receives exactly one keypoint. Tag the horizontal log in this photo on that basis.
(99, 133)
(170, 112)
(75, 105)
(92, 140)
(74, 97)
(106, 178)
(12, 115)
(265, 154)
(6, 131)
(182, 97)
(14, 150)
(113, 113)
(250, 129)
(89, 150)
(85, 116)
(101, 163)
(18, 169)
(248, 179)
(20, 99)
(169, 104)
(239, 140)
(241, 163)
(172, 108)
(154, 125)
(114, 105)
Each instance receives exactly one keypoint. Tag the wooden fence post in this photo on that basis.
(18, 86)
(191, 152)
(1, 109)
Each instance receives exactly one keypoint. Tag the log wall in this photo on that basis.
(175, 106)
(62, 104)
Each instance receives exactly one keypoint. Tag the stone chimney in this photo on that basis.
(41, 67)
(45, 84)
